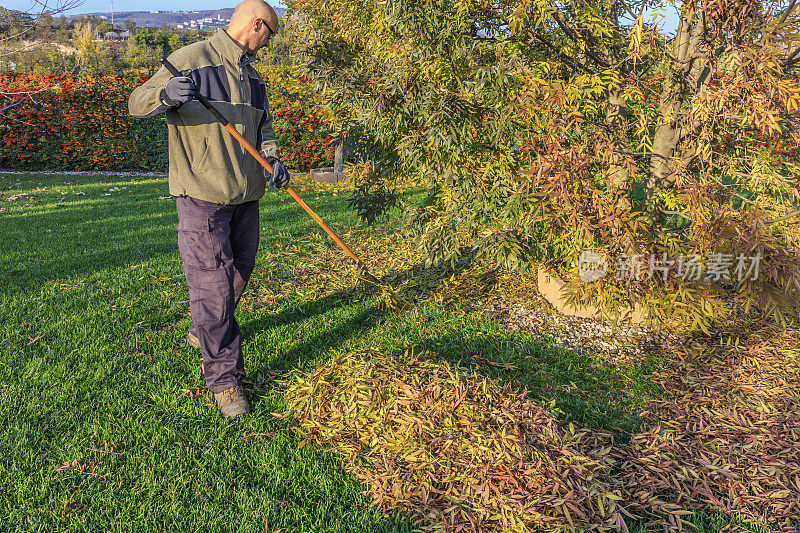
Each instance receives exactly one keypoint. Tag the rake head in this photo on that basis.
(389, 295)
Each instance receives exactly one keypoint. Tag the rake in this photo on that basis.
(390, 296)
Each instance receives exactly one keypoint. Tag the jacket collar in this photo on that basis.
(229, 50)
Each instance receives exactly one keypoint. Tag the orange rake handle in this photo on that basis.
(263, 162)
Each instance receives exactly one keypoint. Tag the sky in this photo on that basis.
(102, 6)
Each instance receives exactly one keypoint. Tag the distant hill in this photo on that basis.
(203, 18)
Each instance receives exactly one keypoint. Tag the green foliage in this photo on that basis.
(147, 45)
(14, 23)
(45, 59)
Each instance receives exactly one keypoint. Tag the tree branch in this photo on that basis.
(699, 30)
(628, 9)
(727, 187)
(677, 213)
(563, 56)
(682, 37)
(560, 19)
(792, 59)
(788, 11)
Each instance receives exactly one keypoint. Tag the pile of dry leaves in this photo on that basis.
(463, 454)
(454, 449)
(725, 434)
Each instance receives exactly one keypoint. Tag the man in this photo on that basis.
(217, 183)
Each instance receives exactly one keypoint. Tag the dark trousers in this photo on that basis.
(218, 245)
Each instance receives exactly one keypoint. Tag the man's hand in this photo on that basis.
(179, 91)
(280, 176)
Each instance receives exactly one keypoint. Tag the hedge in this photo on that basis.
(64, 123)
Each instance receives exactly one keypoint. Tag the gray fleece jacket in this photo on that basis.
(205, 161)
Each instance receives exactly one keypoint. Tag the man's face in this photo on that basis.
(264, 30)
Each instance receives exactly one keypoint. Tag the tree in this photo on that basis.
(147, 46)
(17, 26)
(543, 129)
(83, 42)
(103, 27)
(283, 49)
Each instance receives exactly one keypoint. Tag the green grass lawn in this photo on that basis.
(94, 368)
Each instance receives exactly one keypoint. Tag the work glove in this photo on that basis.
(179, 90)
(280, 176)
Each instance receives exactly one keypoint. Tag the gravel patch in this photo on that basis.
(538, 318)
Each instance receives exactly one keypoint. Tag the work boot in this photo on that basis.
(232, 403)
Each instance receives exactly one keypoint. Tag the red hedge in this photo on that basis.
(64, 123)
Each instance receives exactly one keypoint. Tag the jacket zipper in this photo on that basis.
(244, 155)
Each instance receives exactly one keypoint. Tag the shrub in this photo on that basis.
(304, 138)
(59, 122)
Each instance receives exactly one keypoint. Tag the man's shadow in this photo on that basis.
(338, 330)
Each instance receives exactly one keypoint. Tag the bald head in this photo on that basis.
(252, 24)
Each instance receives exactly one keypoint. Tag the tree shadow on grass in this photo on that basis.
(312, 349)
(331, 338)
(576, 386)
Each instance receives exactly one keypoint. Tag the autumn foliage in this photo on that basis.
(724, 435)
(542, 130)
(455, 450)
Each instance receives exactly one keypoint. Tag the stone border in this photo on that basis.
(327, 175)
(551, 287)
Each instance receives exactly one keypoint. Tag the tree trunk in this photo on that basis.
(338, 158)
(665, 140)
(668, 125)
(618, 179)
